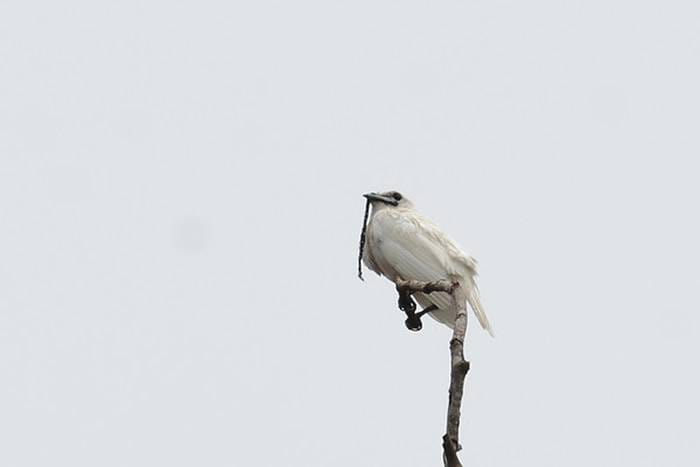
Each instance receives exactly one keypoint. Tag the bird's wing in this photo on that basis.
(419, 248)
(412, 247)
(409, 249)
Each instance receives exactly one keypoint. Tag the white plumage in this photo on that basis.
(402, 243)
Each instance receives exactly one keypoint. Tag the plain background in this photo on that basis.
(180, 209)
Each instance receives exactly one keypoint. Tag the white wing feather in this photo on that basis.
(404, 244)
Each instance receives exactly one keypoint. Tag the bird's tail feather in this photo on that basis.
(475, 304)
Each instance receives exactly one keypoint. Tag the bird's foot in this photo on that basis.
(413, 322)
(426, 310)
(406, 303)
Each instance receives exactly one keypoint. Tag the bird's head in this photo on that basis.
(387, 199)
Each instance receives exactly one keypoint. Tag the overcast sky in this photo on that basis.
(180, 207)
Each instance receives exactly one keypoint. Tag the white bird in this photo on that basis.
(400, 243)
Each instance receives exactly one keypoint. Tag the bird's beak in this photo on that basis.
(382, 198)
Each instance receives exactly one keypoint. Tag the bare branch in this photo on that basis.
(425, 287)
(449, 454)
(459, 366)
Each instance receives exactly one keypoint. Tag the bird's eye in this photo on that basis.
(397, 196)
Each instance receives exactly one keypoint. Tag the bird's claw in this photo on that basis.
(406, 303)
(408, 306)
(413, 323)
(426, 310)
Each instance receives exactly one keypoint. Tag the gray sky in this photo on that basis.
(180, 202)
